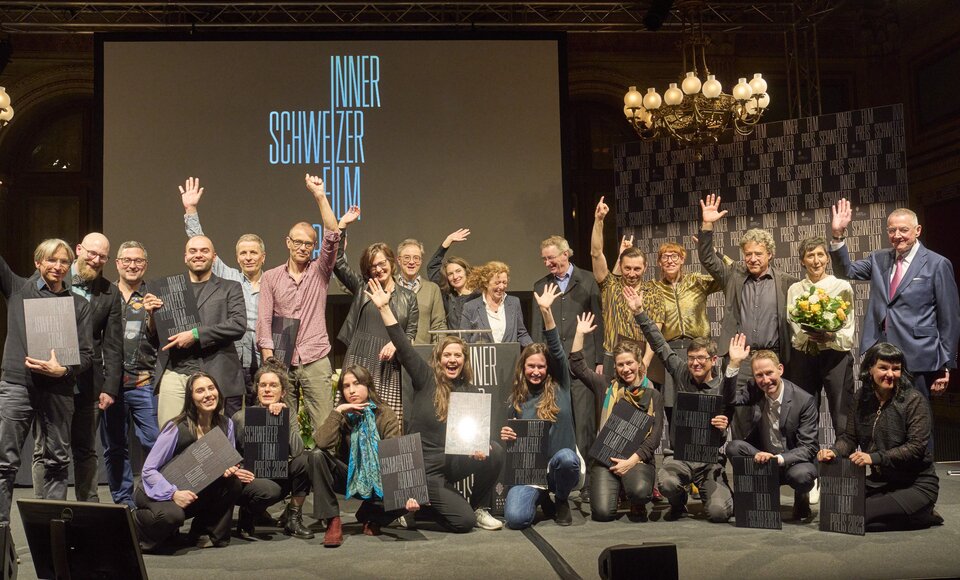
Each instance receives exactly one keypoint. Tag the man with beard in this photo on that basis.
(251, 255)
(35, 388)
(209, 347)
(432, 314)
(298, 289)
(98, 386)
(695, 375)
(783, 421)
(136, 398)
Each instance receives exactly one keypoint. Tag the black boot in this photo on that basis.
(245, 525)
(295, 525)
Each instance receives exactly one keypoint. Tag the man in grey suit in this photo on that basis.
(914, 302)
(580, 294)
(783, 421)
(209, 347)
(755, 293)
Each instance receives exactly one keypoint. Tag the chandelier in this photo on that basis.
(697, 112)
(6, 111)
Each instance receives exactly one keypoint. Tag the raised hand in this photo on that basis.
(457, 236)
(633, 298)
(585, 323)
(316, 186)
(710, 209)
(842, 215)
(352, 215)
(550, 293)
(190, 194)
(739, 349)
(601, 211)
(625, 244)
(377, 294)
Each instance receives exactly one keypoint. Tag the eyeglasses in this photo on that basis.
(128, 261)
(410, 259)
(671, 257)
(56, 262)
(297, 244)
(95, 255)
(698, 359)
(383, 265)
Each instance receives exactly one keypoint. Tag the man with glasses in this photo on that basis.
(432, 314)
(136, 398)
(579, 294)
(98, 386)
(298, 289)
(696, 374)
(35, 388)
(251, 255)
(913, 297)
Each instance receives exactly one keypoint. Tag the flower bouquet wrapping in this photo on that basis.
(816, 311)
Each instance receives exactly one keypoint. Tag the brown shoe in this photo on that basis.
(371, 529)
(334, 536)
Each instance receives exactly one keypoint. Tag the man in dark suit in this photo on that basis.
(580, 294)
(913, 297)
(755, 293)
(208, 348)
(98, 386)
(783, 421)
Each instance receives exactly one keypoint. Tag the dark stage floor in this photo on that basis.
(705, 550)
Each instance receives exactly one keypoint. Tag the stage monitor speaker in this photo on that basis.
(650, 560)
(8, 554)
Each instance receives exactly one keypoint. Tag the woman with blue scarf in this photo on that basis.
(637, 473)
(346, 458)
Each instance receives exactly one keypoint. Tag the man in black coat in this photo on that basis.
(98, 386)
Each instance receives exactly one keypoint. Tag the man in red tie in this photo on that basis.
(914, 302)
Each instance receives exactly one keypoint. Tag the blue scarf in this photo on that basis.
(363, 469)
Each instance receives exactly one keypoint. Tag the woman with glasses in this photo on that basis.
(363, 332)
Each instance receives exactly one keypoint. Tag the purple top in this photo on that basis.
(155, 484)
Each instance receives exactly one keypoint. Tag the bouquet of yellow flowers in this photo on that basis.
(817, 311)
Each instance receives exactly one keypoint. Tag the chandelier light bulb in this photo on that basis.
(751, 107)
(691, 84)
(712, 88)
(4, 98)
(673, 95)
(6, 114)
(628, 112)
(764, 101)
(758, 85)
(652, 100)
(633, 98)
(742, 91)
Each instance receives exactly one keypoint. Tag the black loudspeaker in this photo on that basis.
(651, 561)
(8, 554)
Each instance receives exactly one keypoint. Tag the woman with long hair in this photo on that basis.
(257, 495)
(448, 371)
(452, 274)
(363, 331)
(541, 390)
(634, 475)
(346, 457)
(162, 508)
(890, 423)
(494, 308)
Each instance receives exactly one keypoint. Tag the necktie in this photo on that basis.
(897, 275)
(774, 434)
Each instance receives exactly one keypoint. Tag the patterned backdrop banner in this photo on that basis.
(784, 178)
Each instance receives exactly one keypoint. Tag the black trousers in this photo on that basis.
(212, 514)
(447, 506)
(800, 476)
(830, 371)
(329, 477)
(83, 444)
(605, 488)
(262, 493)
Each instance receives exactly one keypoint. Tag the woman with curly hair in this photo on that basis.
(494, 309)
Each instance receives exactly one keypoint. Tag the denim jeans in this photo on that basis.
(140, 404)
(563, 473)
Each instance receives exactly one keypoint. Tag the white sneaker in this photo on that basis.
(407, 522)
(815, 493)
(486, 521)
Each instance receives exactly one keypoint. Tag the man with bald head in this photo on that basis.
(298, 289)
(209, 347)
(99, 385)
(913, 297)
